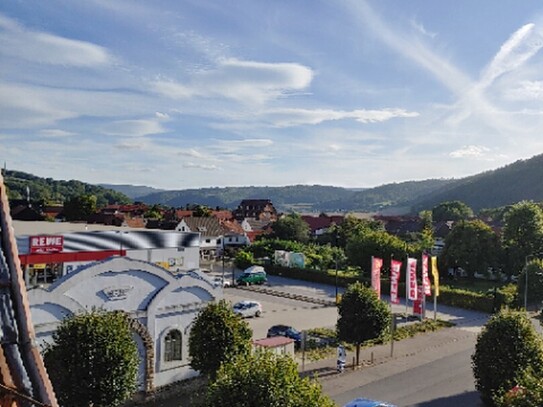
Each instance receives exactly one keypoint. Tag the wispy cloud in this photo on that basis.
(297, 117)
(133, 128)
(208, 167)
(42, 47)
(244, 81)
(56, 133)
(470, 151)
(421, 29)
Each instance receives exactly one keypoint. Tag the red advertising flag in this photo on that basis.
(425, 279)
(395, 267)
(411, 277)
(376, 264)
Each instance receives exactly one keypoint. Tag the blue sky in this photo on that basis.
(186, 94)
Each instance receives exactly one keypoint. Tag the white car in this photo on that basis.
(247, 309)
(218, 281)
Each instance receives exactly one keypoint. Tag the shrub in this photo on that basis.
(507, 345)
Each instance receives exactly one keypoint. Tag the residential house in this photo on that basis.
(214, 234)
(254, 228)
(318, 225)
(260, 209)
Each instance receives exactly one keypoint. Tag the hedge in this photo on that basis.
(454, 297)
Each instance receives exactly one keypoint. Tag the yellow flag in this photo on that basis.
(435, 274)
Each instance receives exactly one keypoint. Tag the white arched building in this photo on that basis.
(162, 307)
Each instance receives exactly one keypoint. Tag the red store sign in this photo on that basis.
(46, 244)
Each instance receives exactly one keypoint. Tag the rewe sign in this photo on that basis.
(46, 244)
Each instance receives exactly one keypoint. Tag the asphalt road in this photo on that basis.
(443, 382)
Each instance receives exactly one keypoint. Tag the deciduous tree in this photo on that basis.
(451, 210)
(522, 234)
(291, 227)
(217, 335)
(362, 316)
(263, 379)
(93, 360)
(472, 245)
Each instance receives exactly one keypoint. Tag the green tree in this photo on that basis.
(472, 245)
(93, 360)
(154, 212)
(80, 207)
(527, 391)
(362, 316)
(217, 335)
(507, 345)
(522, 235)
(201, 211)
(263, 379)
(451, 210)
(244, 259)
(340, 235)
(368, 243)
(291, 227)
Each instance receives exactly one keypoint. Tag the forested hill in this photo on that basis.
(301, 198)
(521, 180)
(294, 197)
(49, 190)
(132, 191)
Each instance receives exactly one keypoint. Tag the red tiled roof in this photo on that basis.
(222, 215)
(273, 342)
(182, 213)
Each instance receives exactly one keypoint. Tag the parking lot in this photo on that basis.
(279, 309)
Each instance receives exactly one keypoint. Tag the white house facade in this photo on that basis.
(160, 304)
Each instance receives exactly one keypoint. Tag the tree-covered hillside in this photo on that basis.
(230, 197)
(521, 180)
(52, 191)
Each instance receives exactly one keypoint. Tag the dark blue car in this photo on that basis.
(362, 402)
(288, 331)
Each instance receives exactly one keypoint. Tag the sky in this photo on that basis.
(179, 94)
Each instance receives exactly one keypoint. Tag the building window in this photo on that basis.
(172, 346)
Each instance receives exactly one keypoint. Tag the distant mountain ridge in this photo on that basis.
(132, 191)
(521, 180)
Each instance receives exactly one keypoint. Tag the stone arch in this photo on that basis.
(138, 328)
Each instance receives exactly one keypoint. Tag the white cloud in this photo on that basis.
(250, 143)
(208, 167)
(297, 117)
(56, 133)
(470, 151)
(526, 90)
(34, 46)
(24, 107)
(420, 28)
(191, 152)
(519, 48)
(133, 128)
(243, 81)
(161, 115)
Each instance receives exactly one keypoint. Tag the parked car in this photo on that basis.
(247, 309)
(253, 275)
(218, 281)
(287, 331)
(363, 402)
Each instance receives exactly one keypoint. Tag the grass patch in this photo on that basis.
(322, 342)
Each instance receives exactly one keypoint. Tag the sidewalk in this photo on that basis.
(421, 348)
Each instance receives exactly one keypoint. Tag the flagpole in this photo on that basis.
(406, 284)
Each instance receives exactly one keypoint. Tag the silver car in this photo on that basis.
(247, 309)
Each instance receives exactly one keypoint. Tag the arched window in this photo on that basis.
(173, 346)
